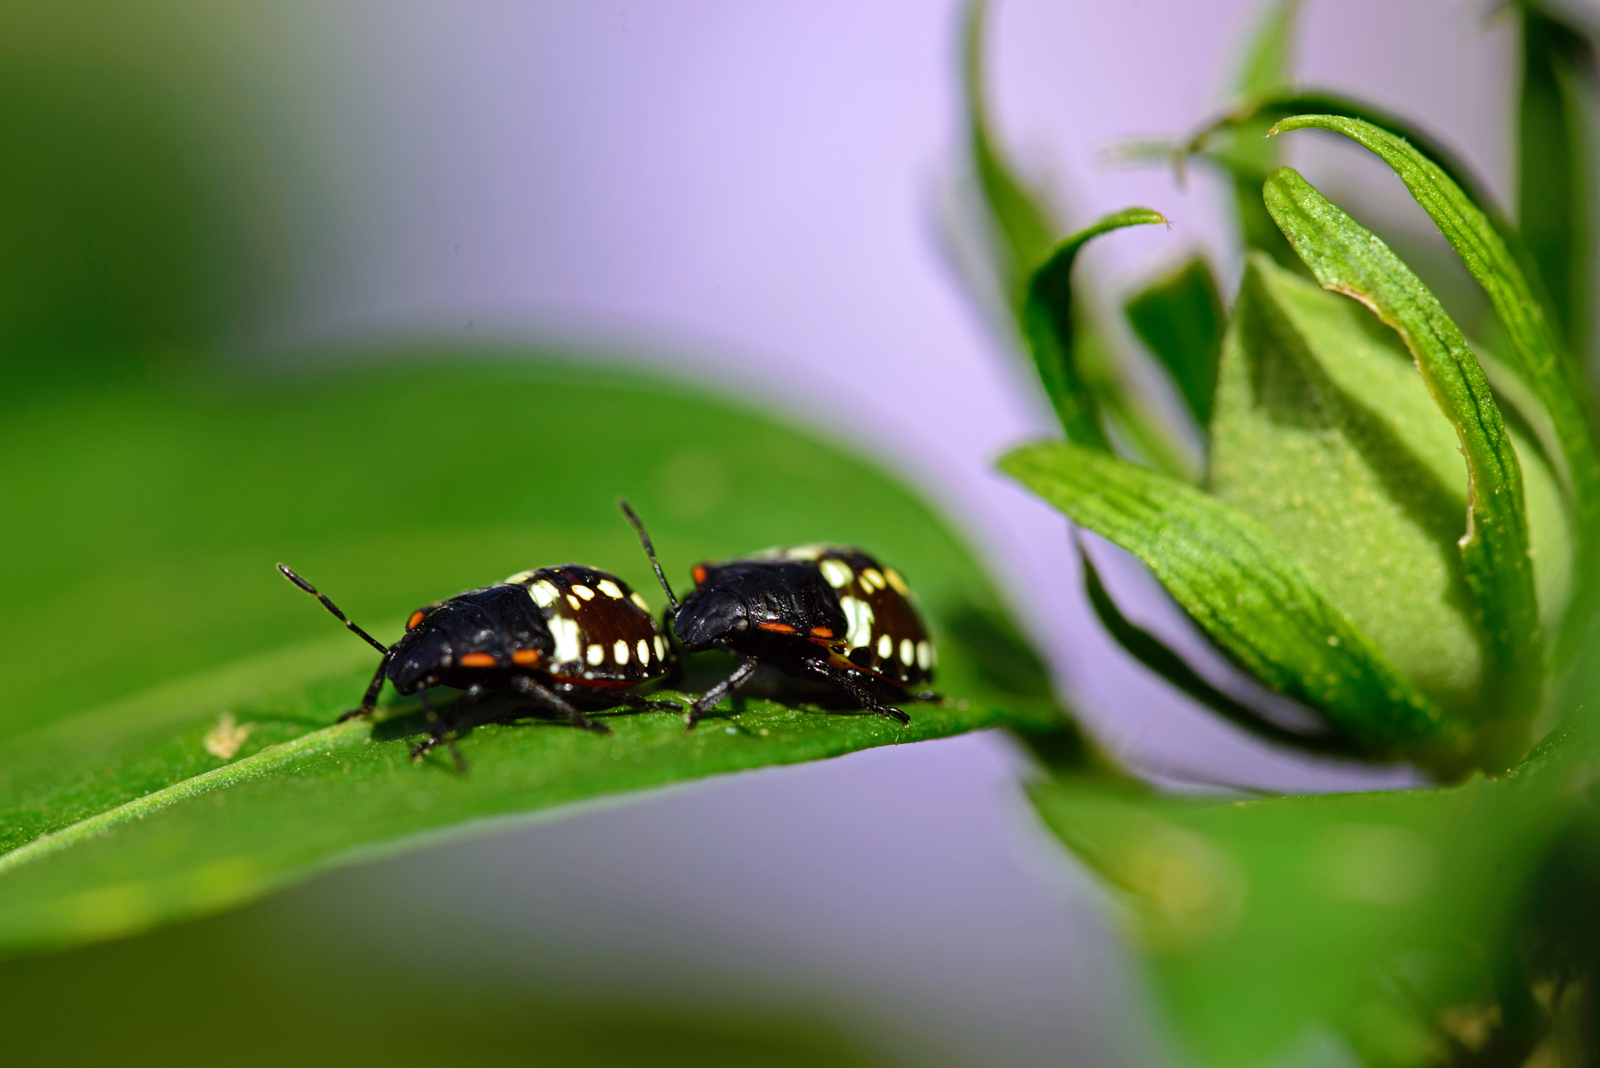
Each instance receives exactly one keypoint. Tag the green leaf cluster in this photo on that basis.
(1394, 527)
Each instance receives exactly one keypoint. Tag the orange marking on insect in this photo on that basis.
(781, 628)
(822, 632)
(416, 617)
(526, 657)
(699, 574)
(478, 660)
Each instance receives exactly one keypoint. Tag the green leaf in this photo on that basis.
(1326, 434)
(1345, 258)
(1023, 229)
(1050, 325)
(1248, 593)
(1537, 352)
(1381, 914)
(276, 985)
(1267, 69)
(1149, 651)
(1180, 318)
(1553, 143)
(210, 772)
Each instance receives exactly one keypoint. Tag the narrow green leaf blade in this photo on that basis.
(188, 760)
(1180, 318)
(1268, 68)
(1149, 651)
(1247, 593)
(1346, 258)
(1539, 358)
(1051, 329)
(1023, 228)
(1553, 189)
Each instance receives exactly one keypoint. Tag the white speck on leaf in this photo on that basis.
(224, 740)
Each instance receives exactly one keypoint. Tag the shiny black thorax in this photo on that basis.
(497, 621)
(809, 603)
(736, 597)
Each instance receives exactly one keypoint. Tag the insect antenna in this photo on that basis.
(330, 606)
(649, 550)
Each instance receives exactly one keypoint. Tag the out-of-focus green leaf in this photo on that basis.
(1392, 916)
(1149, 651)
(268, 986)
(1267, 70)
(1249, 594)
(1050, 327)
(1180, 318)
(1346, 258)
(1536, 351)
(209, 772)
(1554, 150)
(1023, 229)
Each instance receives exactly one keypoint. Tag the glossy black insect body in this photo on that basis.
(814, 611)
(569, 639)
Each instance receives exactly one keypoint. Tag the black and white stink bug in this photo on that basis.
(813, 611)
(570, 639)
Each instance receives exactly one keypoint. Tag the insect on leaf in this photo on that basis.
(189, 760)
(1248, 593)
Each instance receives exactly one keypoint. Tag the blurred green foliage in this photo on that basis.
(251, 989)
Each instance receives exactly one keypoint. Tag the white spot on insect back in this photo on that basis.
(837, 572)
(543, 593)
(519, 578)
(661, 648)
(885, 647)
(896, 581)
(583, 591)
(564, 629)
(609, 588)
(908, 652)
(872, 578)
(644, 651)
(858, 614)
(644, 606)
(924, 655)
(597, 653)
(621, 649)
(803, 552)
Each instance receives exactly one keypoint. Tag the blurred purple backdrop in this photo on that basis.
(748, 195)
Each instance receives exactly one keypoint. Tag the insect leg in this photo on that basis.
(640, 704)
(712, 697)
(851, 684)
(370, 701)
(552, 702)
(438, 732)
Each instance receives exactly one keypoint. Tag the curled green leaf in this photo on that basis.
(1249, 594)
(1537, 351)
(1050, 326)
(1346, 258)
